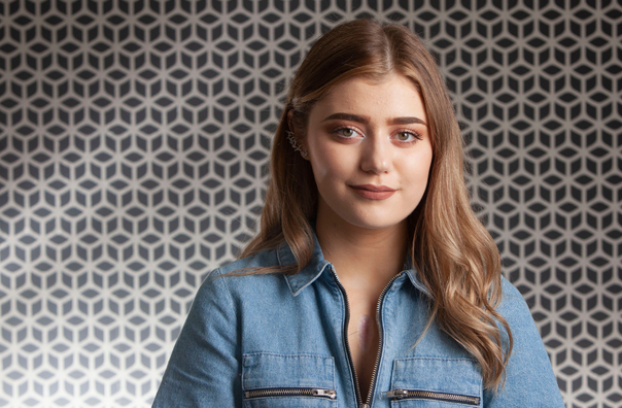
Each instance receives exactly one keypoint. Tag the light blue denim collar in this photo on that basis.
(317, 265)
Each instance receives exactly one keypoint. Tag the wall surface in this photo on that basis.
(134, 139)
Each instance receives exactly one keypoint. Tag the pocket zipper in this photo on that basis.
(432, 395)
(291, 392)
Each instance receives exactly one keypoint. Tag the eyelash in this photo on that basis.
(416, 136)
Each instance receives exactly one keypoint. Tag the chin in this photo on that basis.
(373, 221)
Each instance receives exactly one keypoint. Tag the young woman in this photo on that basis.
(371, 282)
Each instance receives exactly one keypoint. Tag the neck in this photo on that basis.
(364, 255)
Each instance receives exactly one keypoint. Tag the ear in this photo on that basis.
(290, 120)
(301, 141)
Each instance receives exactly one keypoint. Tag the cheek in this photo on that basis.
(330, 163)
(417, 169)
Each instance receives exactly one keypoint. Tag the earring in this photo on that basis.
(294, 143)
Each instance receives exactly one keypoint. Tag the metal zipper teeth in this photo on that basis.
(380, 340)
(291, 392)
(431, 395)
(345, 331)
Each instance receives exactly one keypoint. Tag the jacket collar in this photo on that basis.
(317, 265)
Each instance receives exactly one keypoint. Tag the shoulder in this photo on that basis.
(223, 282)
(529, 377)
(514, 309)
(516, 312)
(267, 257)
(512, 304)
(530, 380)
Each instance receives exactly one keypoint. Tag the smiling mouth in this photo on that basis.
(374, 192)
(372, 187)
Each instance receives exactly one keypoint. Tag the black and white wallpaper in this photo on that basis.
(134, 144)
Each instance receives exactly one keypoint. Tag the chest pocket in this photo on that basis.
(428, 382)
(288, 380)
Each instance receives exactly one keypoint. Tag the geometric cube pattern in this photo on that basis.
(134, 144)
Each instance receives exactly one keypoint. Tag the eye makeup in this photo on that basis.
(416, 136)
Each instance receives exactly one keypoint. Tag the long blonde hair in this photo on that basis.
(455, 256)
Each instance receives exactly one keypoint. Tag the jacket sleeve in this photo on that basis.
(204, 365)
(530, 381)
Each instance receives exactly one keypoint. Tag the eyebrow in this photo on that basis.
(365, 119)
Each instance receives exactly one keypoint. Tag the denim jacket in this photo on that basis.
(275, 341)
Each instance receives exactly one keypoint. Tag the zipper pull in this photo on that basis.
(364, 406)
(332, 394)
(395, 394)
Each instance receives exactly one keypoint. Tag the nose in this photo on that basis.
(376, 154)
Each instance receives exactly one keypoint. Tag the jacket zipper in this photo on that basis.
(345, 332)
(432, 395)
(375, 371)
(380, 342)
(291, 392)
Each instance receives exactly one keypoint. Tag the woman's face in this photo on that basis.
(369, 133)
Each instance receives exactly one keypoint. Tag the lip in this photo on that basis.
(373, 192)
(372, 187)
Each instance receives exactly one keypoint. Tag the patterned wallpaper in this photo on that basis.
(134, 142)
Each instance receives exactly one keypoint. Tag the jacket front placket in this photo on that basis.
(310, 274)
(365, 401)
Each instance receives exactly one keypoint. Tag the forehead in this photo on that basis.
(392, 94)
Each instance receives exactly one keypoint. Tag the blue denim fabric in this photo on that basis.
(272, 332)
